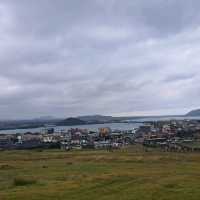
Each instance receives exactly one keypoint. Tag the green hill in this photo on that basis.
(194, 113)
(71, 121)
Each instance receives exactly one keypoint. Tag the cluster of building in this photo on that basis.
(68, 139)
(176, 135)
(167, 135)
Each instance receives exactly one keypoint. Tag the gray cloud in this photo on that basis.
(68, 58)
(179, 77)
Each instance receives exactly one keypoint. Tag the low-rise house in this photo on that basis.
(102, 144)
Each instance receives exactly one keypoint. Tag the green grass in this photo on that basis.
(130, 174)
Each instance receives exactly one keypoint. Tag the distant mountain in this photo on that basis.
(71, 121)
(92, 119)
(194, 113)
(96, 118)
(45, 118)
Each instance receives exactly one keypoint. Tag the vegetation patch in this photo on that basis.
(170, 185)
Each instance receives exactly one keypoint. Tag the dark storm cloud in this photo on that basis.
(68, 58)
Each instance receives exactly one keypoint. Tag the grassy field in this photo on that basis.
(124, 174)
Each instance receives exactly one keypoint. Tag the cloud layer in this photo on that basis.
(68, 58)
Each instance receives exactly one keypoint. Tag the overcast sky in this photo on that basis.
(114, 57)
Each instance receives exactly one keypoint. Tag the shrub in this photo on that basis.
(5, 167)
(22, 181)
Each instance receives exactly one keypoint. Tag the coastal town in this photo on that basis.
(170, 135)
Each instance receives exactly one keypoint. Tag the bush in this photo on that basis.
(21, 181)
(6, 167)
